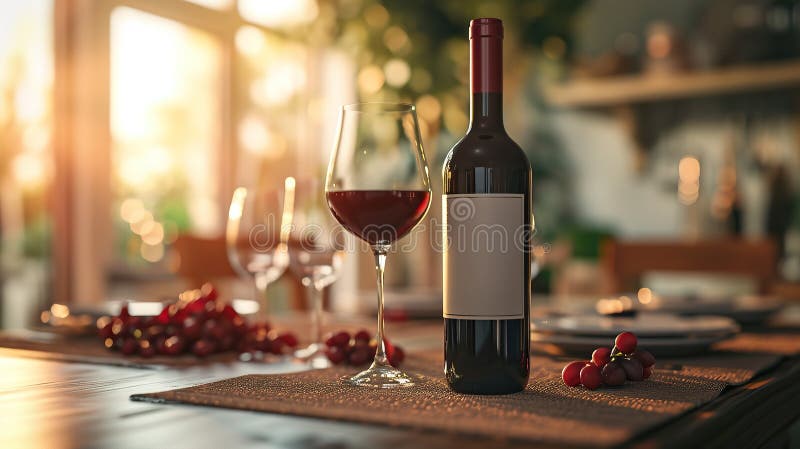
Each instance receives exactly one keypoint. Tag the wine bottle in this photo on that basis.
(487, 220)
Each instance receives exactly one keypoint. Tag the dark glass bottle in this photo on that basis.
(487, 192)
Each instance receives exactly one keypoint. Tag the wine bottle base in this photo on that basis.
(486, 388)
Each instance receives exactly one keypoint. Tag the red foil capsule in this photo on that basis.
(486, 55)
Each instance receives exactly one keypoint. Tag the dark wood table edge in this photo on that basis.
(744, 416)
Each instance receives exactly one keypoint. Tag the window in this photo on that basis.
(26, 165)
(166, 130)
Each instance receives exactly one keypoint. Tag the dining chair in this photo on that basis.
(625, 262)
(206, 259)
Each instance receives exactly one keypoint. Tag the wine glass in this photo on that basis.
(257, 234)
(378, 188)
(316, 255)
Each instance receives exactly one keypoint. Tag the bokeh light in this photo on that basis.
(429, 108)
(278, 13)
(376, 16)
(396, 39)
(397, 72)
(688, 180)
(370, 79)
(250, 41)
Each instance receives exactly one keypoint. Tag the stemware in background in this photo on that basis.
(378, 188)
(316, 255)
(257, 234)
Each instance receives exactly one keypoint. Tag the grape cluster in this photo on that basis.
(359, 349)
(611, 367)
(198, 323)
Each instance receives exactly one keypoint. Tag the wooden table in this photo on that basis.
(55, 404)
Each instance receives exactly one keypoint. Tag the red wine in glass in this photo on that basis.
(379, 216)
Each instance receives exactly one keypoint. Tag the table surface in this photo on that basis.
(56, 404)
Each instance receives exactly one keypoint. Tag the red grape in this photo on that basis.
(213, 330)
(647, 371)
(135, 322)
(209, 292)
(226, 343)
(613, 374)
(124, 315)
(278, 346)
(146, 350)
(601, 356)
(397, 357)
(106, 331)
(362, 335)
(129, 346)
(633, 369)
(152, 331)
(591, 377)
(571, 374)
(239, 326)
(163, 317)
(171, 330)
(203, 347)
(289, 339)
(359, 356)
(159, 343)
(339, 339)
(211, 309)
(173, 345)
(645, 357)
(197, 306)
(118, 327)
(335, 354)
(229, 313)
(626, 342)
(262, 343)
(192, 328)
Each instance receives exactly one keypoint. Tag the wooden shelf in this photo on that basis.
(649, 88)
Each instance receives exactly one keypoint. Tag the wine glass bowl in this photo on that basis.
(378, 188)
(257, 234)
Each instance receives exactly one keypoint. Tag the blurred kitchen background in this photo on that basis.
(664, 137)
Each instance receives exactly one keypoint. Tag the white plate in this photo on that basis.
(556, 344)
(644, 325)
(748, 309)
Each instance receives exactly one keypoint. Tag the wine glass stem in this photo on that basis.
(315, 299)
(380, 264)
(263, 302)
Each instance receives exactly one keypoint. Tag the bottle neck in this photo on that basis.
(486, 81)
(486, 110)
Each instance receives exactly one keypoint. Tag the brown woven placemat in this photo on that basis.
(547, 411)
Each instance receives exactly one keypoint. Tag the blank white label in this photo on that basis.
(484, 259)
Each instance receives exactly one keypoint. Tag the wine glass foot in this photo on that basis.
(314, 356)
(381, 376)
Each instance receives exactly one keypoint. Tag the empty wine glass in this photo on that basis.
(315, 256)
(378, 188)
(257, 234)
